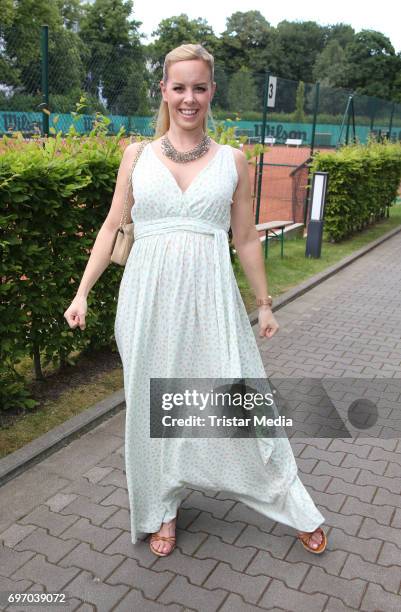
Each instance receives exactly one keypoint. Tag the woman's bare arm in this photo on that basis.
(245, 235)
(99, 258)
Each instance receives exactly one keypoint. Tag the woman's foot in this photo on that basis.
(314, 541)
(162, 543)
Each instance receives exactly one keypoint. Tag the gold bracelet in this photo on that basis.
(264, 301)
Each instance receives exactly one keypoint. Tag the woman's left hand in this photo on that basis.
(268, 325)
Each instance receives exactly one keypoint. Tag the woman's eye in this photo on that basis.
(200, 88)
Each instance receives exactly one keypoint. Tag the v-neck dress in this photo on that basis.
(180, 315)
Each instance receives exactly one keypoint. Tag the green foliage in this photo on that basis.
(363, 183)
(299, 114)
(242, 92)
(54, 196)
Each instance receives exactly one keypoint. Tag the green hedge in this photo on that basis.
(363, 183)
(53, 201)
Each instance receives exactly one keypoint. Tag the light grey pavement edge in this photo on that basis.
(64, 523)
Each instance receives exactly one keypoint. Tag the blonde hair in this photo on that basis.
(179, 54)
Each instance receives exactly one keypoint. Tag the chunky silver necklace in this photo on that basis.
(182, 158)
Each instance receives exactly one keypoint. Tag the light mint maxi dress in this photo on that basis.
(180, 314)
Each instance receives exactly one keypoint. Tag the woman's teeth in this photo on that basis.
(187, 112)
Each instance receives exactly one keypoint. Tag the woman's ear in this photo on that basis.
(163, 90)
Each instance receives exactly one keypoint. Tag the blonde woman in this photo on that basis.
(180, 313)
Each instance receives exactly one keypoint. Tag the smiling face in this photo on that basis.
(188, 92)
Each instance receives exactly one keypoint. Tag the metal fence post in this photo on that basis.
(390, 127)
(263, 132)
(315, 109)
(44, 44)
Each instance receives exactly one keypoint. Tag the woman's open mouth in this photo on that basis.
(188, 113)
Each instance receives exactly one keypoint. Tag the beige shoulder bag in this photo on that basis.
(124, 238)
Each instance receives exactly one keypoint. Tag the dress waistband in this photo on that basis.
(169, 224)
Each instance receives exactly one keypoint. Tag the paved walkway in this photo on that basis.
(65, 525)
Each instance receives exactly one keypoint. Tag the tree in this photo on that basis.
(173, 32)
(242, 92)
(293, 49)
(114, 63)
(370, 65)
(245, 37)
(299, 114)
(329, 64)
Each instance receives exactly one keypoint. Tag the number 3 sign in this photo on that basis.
(271, 95)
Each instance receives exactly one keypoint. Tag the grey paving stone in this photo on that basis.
(278, 546)
(82, 507)
(290, 573)
(195, 569)
(134, 601)
(349, 523)
(188, 543)
(376, 598)
(376, 466)
(277, 594)
(96, 474)
(214, 548)
(98, 537)
(84, 557)
(332, 562)
(114, 460)
(103, 596)
(382, 514)
(59, 501)
(39, 570)
(13, 586)
(149, 581)
(24, 493)
(114, 477)
(368, 549)
(388, 534)
(249, 587)
(11, 560)
(240, 512)
(93, 491)
(336, 605)
(388, 577)
(315, 482)
(15, 533)
(344, 473)
(139, 551)
(349, 591)
(390, 555)
(181, 591)
(55, 522)
(119, 519)
(216, 507)
(235, 603)
(331, 457)
(39, 541)
(228, 532)
(119, 498)
(362, 492)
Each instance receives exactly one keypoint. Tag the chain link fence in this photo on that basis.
(41, 97)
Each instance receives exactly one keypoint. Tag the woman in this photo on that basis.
(180, 313)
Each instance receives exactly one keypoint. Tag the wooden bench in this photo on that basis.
(276, 229)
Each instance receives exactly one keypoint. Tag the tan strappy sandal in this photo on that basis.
(306, 537)
(155, 537)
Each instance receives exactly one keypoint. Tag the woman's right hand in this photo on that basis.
(76, 312)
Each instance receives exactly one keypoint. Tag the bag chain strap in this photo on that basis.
(141, 146)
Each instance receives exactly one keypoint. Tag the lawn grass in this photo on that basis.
(294, 268)
(282, 274)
